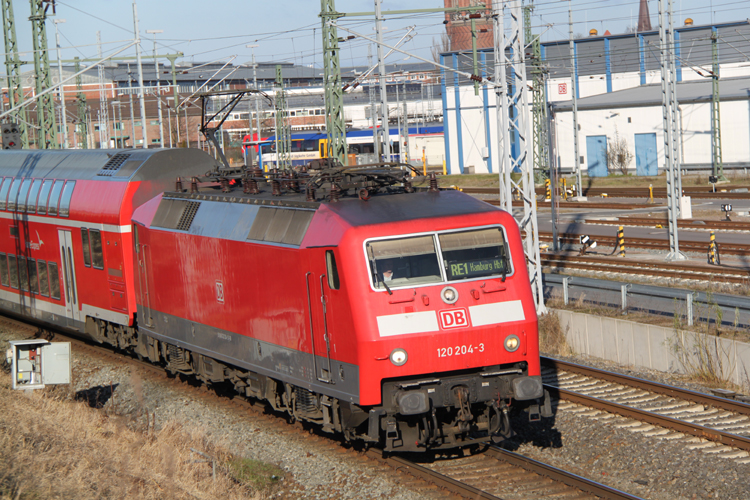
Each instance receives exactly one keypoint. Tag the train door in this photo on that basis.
(144, 265)
(72, 305)
(322, 276)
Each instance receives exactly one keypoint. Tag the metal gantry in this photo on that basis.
(717, 162)
(513, 95)
(283, 132)
(669, 113)
(13, 70)
(45, 107)
(82, 129)
(334, 94)
(539, 98)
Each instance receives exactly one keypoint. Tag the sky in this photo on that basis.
(290, 30)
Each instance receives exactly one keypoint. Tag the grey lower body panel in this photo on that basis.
(265, 358)
(34, 310)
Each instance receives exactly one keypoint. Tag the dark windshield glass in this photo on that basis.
(403, 262)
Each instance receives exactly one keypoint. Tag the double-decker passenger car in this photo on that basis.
(66, 249)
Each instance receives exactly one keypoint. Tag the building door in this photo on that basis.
(645, 155)
(72, 307)
(596, 153)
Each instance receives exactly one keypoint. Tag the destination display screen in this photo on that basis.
(474, 268)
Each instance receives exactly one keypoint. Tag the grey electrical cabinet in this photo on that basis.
(36, 363)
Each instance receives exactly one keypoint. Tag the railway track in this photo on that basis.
(684, 270)
(650, 243)
(708, 423)
(697, 224)
(509, 473)
(641, 192)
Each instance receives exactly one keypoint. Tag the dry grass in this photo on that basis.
(552, 339)
(53, 447)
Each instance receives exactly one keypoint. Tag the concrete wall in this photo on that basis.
(659, 348)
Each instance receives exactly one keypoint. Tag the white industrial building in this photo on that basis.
(619, 93)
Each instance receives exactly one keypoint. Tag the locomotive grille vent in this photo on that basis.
(280, 225)
(175, 214)
(188, 215)
(114, 164)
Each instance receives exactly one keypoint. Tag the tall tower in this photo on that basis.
(458, 26)
(644, 20)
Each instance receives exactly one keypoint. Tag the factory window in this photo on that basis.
(43, 195)
(154, 122)
(54, 197)
(4, 186)
(13, 271)
(156, 141)
(138, 124)
(3, 269)
(332, 271)
(86, 247)
(33, 278)
(67, 195)
(43, 283)
(33, 192)
(23, 273)
(119, 126)
(97, 254)
(403, 262)
(54, 281)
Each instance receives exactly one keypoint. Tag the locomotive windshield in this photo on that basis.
(414, 260)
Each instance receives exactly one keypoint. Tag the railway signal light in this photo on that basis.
(726, 208)
(11, 136)
(586, 244)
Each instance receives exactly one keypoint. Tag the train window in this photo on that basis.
(23, 193)
(33, 278)
(403, 262)
(13, 194)
(67, 195)
(43, 282)
(54, 281)
(54, 197)
(3, 269)
(33, 193)
(474, 254)
(23, 273)
(4, 186)
(86, 247)
(13, 271)
(332, 271)
(43, 195)
(97, 254)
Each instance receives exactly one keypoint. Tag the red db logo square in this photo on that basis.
(562, 88)
(454, 318)
(219, 292)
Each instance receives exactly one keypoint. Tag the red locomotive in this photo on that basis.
(339, 295)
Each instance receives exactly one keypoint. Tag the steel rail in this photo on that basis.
(648, 385)
(651, 243)
(559, 475)
(729, 225)
(635, 192)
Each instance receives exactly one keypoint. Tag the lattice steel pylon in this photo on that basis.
(13, 70)
(45, 107)
(82, 128)
(283, 132)
(718, 164)
(103, 114)
(335, 124)
(509, 53)
(669, 111)
(538, 95)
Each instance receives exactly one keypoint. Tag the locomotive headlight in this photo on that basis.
(449, 295)
(399, 357)
(511, 343)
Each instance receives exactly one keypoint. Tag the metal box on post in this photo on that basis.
(37, 363)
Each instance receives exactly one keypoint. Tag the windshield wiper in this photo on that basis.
(386, 287)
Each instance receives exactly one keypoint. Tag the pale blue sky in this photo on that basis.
(290, 30)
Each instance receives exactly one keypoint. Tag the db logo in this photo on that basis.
(562, 88)
(219, 292)
(454, 318)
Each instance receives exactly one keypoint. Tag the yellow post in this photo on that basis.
(547, 190)
(445, 172)
(424, 162)
(621, 240)
(565, 189)
(712, 249)
(650, 193)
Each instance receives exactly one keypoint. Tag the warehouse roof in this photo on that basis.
(730, 89)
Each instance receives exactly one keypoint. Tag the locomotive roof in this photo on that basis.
(105, 164)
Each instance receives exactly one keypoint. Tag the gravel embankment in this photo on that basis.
(597, 449)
